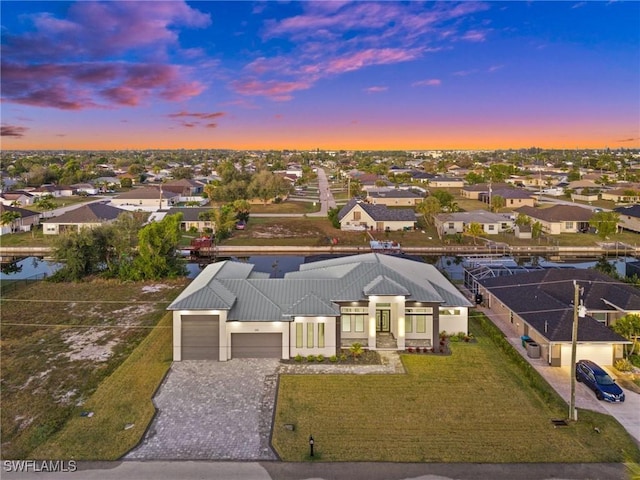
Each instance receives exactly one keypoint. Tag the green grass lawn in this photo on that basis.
(472, 406)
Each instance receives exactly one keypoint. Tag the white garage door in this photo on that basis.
(256, 345)
(601, 354)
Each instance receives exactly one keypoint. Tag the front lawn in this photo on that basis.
(472, 406)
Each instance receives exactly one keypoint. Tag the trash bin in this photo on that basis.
(533, 350)
(525, 339)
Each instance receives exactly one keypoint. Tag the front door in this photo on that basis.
(383, 320)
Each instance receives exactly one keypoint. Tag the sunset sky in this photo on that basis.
(328, 75)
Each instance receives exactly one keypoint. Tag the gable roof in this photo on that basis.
(558, 213)
(544, 299)
(24, 213)
(395, 193)
(91, 213)
(630, 211)
(189, 214)
(146, 193)
(476, 216)
(315, 289)
(379, 213)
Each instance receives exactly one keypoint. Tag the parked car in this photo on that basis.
(599, 381)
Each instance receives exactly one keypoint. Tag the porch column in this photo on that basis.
(400, 313)
(371, 329)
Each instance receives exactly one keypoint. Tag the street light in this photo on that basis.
(578, 311)
(311, 445)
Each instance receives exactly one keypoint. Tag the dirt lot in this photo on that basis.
(59, 341)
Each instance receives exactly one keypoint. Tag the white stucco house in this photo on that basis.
(359, 215)
(232, 311)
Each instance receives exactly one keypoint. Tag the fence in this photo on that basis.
(9, 285)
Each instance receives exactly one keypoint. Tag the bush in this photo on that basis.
(320, 358)
(635, 360)
(333, 358)
(343, 357)
(298, 358)
(623, 365)
(311, 358)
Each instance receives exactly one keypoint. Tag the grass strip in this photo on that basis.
(124, 398)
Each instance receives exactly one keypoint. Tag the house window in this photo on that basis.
(568, 225)
(356, 215)
(600, 316)
(451, 225)
(421, 323)
(491, 227)
(511, 201)
(310, 335)
(346, 323)
(408, 324)
(299, 335)
(321, 335)
(449, 311)
(359, 323)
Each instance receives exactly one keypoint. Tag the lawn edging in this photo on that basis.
(531, 375)
(122, 405)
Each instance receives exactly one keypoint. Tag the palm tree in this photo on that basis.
(475, 230)
(429, 207)
(9, 217)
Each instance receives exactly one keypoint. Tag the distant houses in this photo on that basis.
(87, 216)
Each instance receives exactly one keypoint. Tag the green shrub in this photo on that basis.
(343, 357)
(311, 358)
(635, 360)
(298, 358)
(623, 365)
(333, 358)
(320, 358)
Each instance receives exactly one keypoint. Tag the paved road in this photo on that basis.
(328, 471)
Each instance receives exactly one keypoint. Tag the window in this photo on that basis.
(421, 323)
(408, 324)
(359, 323)
(346, 323)
(310, 335)
(451, 225)
(299, 335)
(449, 311)
(321, 335)
(491, 227)
(600, 316)
(356, 215)
(568, 225)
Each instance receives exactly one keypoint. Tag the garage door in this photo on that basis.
(200, 337)
(601, 354)
(256, 345)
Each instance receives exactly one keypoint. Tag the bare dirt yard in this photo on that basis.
(59, 341)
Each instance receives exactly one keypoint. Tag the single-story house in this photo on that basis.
(513, 197)
(453, 223)
(539, 304)
(87, 216)
(17, 198)
(185, 187)
(474, 191)
(23, 223)
(559, 218)
(446, 182)
(85, 188)
(622, 194)
(191, 218)
(232, 311)
(394, 198)
(359, 215)
(146, 198)
(629, 217)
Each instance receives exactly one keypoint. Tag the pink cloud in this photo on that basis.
(432, 82)
(12, 131)
(276, 90)
(200, 115)
(475, 35)
(368, 57)
(376, 89)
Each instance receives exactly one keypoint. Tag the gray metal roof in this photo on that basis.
(315, 289)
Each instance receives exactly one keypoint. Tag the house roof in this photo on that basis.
(315, 289)
(24, 213)
(510, 193)
(558, 213)
(544, 299)
(91, 213)
(189, 214)
(483, 187)
(630, 211)
(146, 193)
(393, 194)
(476, 216)
(379, 213)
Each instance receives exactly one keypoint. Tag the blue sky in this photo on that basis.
(332, 75)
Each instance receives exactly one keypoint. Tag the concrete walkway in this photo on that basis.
(627, 413)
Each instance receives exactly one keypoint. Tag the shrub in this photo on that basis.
(311, 358)
(623, 365)
(635, 360)
(356, 349)
(320, 358)
(343, 357)
(333, 358)
(298, 358)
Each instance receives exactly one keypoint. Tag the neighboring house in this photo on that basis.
(629, 217)
(147, 198)
(232, 311)
(27, 220)
(453, 223)
(473, 192)
(559, 218)
(626, 194)
(513, 197)
(53, 190)
(17, 198)
(394, 198)
(85, 188)
(185, 187)
(191, 218)
(86, 216)
(359, 215)
(446, 182)
(106, 183)
(539, 304)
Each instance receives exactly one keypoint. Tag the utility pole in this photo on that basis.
(578, 311)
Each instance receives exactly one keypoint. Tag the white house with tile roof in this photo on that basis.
(232, 311)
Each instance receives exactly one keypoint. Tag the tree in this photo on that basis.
(9, 217)
(603, 266)
(332, 214)
(224, 218)
(45, 203)
(536, 230)
(497, 202)
(629, 327)
(605, 223)
(242, 208)
(179, 173)
(475, 230)
(445, 198)
(429, 207)
(157, 256)
(522, 220)
(82, 253)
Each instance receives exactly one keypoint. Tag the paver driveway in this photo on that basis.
(213, 411)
